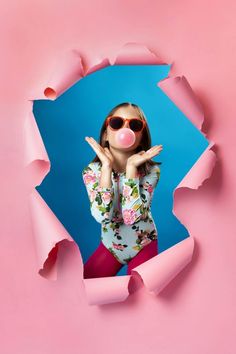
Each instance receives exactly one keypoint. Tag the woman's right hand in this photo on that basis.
(104, 154)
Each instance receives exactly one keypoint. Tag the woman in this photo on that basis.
(120, 182)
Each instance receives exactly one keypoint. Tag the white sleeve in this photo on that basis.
(101, 198)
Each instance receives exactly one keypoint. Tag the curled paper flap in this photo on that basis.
(200, 171)
(49, 232)
(158, 271)
(35, 155)
(96, 65)
(180, 92)
(71, 67)
(67, 71)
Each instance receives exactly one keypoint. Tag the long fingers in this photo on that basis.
(160, 147)
(93, 143)
(95, 146)
(155, 150)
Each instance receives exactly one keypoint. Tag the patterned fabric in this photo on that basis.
(123, 209)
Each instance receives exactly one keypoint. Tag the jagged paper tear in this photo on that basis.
(157, 272)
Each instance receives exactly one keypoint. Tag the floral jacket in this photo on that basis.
(123, 209)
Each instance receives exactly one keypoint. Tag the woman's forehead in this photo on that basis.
(126, 112)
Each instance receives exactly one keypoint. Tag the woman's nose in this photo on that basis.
(126, 125)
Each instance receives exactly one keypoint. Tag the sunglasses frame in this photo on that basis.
(124, 120)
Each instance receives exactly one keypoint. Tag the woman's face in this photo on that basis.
(109, 134)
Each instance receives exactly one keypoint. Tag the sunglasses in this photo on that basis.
(135, 124)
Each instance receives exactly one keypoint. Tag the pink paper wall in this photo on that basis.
(195, 313)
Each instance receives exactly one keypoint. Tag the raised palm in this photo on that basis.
(142, 156)
(104, 154)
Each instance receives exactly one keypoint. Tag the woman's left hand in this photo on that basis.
(142, 156)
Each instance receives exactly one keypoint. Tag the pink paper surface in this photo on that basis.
(186, 294)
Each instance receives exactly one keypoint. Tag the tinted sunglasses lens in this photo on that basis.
(136, 125)
(116, 122)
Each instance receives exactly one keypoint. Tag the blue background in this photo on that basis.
(79, 112)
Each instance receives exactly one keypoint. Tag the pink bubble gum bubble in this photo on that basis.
(125, 137)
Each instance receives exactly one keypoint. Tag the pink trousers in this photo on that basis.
(102, 263)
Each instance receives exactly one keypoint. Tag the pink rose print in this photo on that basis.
(89, 177)
(129, 216)
(118, 247)
(126, 191)
(106, 197)
(148, 187)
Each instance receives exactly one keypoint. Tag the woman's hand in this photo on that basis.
(138, 159)
(104, 154)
